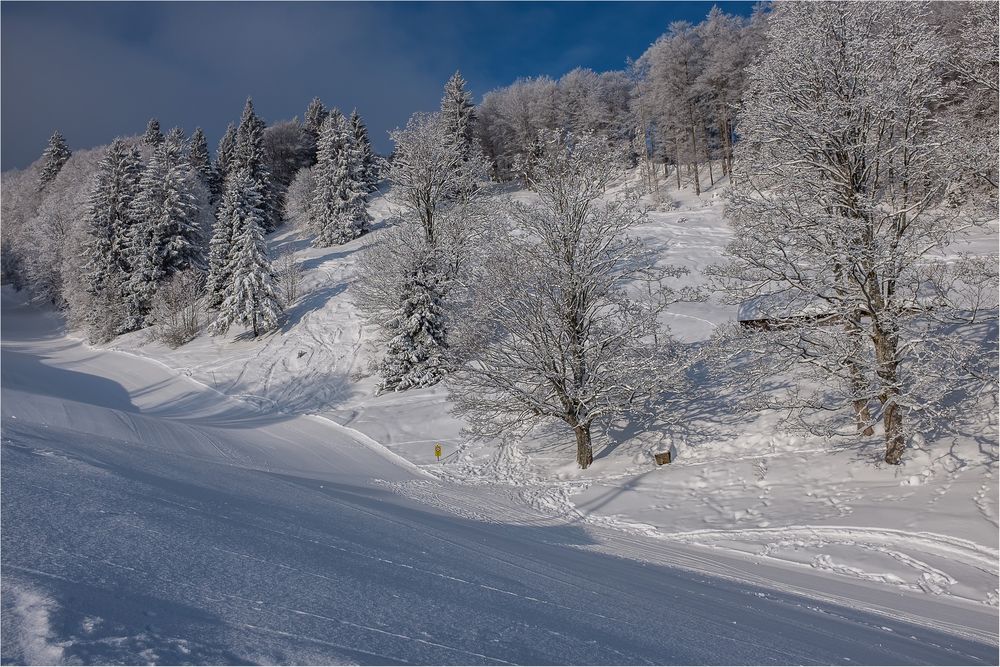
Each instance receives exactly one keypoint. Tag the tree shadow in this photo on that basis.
(314, 300)
(27, 373)
(315, 262)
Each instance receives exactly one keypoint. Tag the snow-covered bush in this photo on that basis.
(178, 312)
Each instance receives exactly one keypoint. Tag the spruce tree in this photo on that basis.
(339, 209)
(223, 159)
(249, 157)
(458, 114)
(165, 236)
(153, 136)
(316, 113)
(367, 167)
(201, 160)
(54, 157)
(107, 224)
(415, 353)
(220, 250)
(250, 299)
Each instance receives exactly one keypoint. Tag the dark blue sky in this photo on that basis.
(97, 70)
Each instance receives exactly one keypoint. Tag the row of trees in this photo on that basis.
(106, 231)
(676, 106)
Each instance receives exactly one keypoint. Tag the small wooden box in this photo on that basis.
(662, 458)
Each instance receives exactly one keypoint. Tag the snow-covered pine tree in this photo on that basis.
(316, 113)
(201, 160)
(165, 235)
(415, 353)
(458, 114)
(223, 159)
(153, 136)
(339, 208)
(250, 299)
(368, 171)
(53, 158)
(220, 249)
(108, 222)
(249, 156)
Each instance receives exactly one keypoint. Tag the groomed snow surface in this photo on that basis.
(253, 501)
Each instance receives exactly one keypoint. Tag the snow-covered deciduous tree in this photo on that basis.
(429, 171)
(153, 136)
(973, 64)
(51, 241)
(177, 314)
(287, 149)
(288, 275)
(837, 209)
(561, 318)
(108, 226)
(298, 199)
(339, 208)
(166, 233)
(249, 294)
(53, 158)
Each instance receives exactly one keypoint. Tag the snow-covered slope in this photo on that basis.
(149, 519)
(738, 485)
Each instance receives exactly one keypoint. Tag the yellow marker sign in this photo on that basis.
(437, 451)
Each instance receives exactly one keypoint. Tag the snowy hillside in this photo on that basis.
(738, 486)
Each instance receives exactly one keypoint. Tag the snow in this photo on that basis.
(248, 513)
(320, 365)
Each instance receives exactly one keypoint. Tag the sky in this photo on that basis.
(96, 70)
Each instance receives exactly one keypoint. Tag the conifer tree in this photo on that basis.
(339, 210)
(54, 157)
(153, 136)
(414, 357)
(316, 113)
(108, 222)
(249, 157)
(220, 250)
(458, 114)
(224, 158)
(165, 236)
(366, 163)
(250, 299)
(201, 161)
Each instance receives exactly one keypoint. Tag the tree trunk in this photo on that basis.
(895, 441)
(584, 449)
(864, 417)
(677, 154)
(708, 154)
(723, 147)
(886, 344)
(694, 160)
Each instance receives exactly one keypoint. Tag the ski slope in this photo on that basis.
(150, 519)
